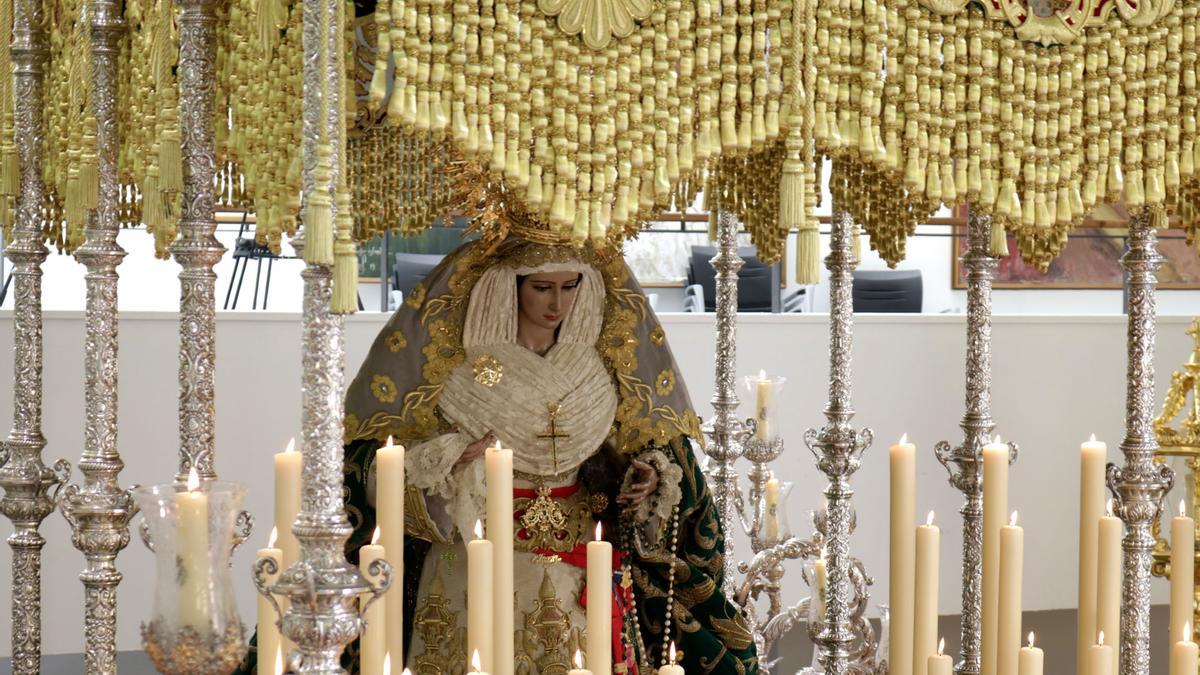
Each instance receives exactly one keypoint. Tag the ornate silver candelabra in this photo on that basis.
(730, 438)
(965, 462)
(100, 511)
(25, 479)
(1140, 485)
(838, 450)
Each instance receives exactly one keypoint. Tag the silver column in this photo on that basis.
(99, 512)
(725, 431)
(197, 249)
(838, 450)
(323, 587)
(25, 479)
(965, 462)
(1140, 485)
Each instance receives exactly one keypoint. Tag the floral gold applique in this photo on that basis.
(664, 384)
(396, 341)
(658, 337)
(383, 388)
(488, 370)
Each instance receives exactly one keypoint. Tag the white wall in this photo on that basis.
(1057, 379)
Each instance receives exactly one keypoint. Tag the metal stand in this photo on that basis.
(1140, 485)
(25, 479)
(965, 462)
(100, 511)
(838, 450)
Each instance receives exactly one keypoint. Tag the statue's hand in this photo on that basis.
(476, 449)
(645, 482)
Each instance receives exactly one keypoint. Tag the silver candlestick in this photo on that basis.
(100, 511)
(838, 450)
(965, 462)
(25, 479)
(1140, 485)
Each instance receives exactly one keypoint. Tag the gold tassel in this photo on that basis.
(712, 225)
(856, 243)
(808, 254)
(998, 247)
(89, 182)
(345, 276)
(170, 164)
(10, 178)
(318, 213)
(151, 213)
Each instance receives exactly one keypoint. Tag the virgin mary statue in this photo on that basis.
(553, 350)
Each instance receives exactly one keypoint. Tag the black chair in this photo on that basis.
(758, 282)
(246, 249)
(887, 291)
(408, 269)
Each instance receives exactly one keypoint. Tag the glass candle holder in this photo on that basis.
(765, 390)
(195, 627)
(773, 526)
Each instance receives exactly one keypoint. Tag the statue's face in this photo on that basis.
(545, 299)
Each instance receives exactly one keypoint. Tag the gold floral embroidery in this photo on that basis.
(417, 296)
(658, 336)
(488, 370)
(396, 341)
(664, 384)
(383, 388)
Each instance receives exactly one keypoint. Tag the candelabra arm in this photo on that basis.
(242, 528)
(263, 571)
(380, 573)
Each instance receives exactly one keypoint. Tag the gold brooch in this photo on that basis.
(598, 502)
(488, 370)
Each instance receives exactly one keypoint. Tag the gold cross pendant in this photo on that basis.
(552, 432)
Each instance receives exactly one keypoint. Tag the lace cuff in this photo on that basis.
(655, 511)
(430, 465)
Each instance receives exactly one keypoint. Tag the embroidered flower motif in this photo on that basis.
(658, 336)
(417, 296)
(396, 341)
(664, 384)
(383, 388)
(488, 370)
(598, 20)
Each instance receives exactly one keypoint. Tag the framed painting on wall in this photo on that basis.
(1090, 260)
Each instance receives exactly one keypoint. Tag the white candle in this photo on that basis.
(1031, 660)
(498, 463)
(267, 642)
(374, 639)
(1183, 575)
(902, 570)
(925, 612)
(771, 532)
(995, 510)
(287, 500)
(389, 515)
(288, 465)
(1185, 656)
(599, 605)
(762, 404)
(1100, 656)
(195, 574)
(479, 598)
(579, 669)
(821, 574)
(671, 668)
(939, 663)
(1092, 457)
(1108, 582)
(1008, 628)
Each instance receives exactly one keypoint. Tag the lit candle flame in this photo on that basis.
(1187, 632)
(996, 439)
(929, 519)
(475, 667)
(904, 438)
(598, 534)
(671, 653)
(279, 661)
(291, 445)
(1012, 520)
(1092, 439)
(762, 374)
(274, 537)
(387, 664)
(479, 529)
(193, 481)
(578, 660)
(1182, 509)
(390, 443)
(1100, 639)
(941, 646)
(375, 537)
(1108, 508)
(1031, 639)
